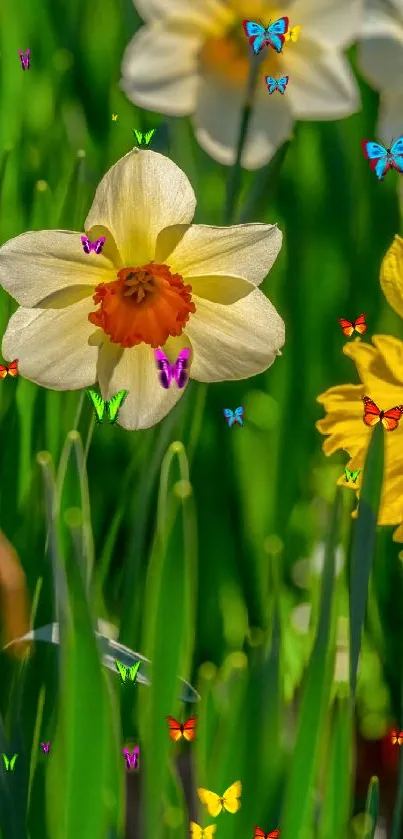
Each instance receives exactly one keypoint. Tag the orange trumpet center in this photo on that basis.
(145, 304)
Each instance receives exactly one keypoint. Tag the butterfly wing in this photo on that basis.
(189, 728)
(282, 84)
(196, 832)
(174, 729)
(98, 404)
(348, 474)
(86, 244)
(6, 762)
(180, 368)
(99, 244)
(259, 833)
(13, 368)
(3, 371)
(149, 135)
(115, 404)
(360, 325)
(271, 84)
(354, 475)
(12, 762)
(139, 135)
(121, 669)
(347, 326)
(239, 415)
(390, 419)
(211, 801)
(276, 32)
(229, 416)
(133, 671)
(396, 151)
(209, 831)
(371, 412)
(377, 156)
(166, 373)
(256, 34)
(273, 835)
(293, 33)
(231, 797)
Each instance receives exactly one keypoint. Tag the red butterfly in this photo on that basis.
(178, 730)
(372, 415)
(396, 737)
(260, 834)
(358, 325)
(11, 370)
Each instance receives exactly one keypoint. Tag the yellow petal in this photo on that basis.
(391, 276)
(377, 368)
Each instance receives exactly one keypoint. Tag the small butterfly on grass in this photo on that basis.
(396, 737)
(352, 476)
(197, 832)
(106, 409)
(382, 159)
(373, 415)
(234, 417)
(293, 33)
(260, 834)
(25, 58)
(132, 760)
(349, 326)
(127, 674)
(11, 370)
(178, 371)
(9, 763)
(228, 801)
(177, 730)
(276, 84)
(45, 747)
(114, 117)
(89, 246)
(260, 36)
(144, 139)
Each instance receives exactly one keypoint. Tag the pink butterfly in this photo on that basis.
(89, 246)
(45, 747)
(169, 372)
(25, 59)
(132, 760)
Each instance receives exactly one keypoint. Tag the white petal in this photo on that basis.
(380, 53)
(139, 196)
(52, 346)
(235, 341)
(390, 118)
(217, 122)
(204, 11)
(34, 266)
(243, 250)
(334, 23)
(134, 370)
(166, 82)
(321, 85)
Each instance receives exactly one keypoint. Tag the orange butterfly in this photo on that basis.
(396, 737)
(349, 326)
(178, 730)
(11, 370)
(260, 834)
(372, 415)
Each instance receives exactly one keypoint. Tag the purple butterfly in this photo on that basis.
(45, 747)
(25, 59)
(168, 372)
(132, 760)
(89, 246)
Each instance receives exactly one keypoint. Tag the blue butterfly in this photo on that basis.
(277, 84)
(233, 417)
(260, 37)
(381, 159)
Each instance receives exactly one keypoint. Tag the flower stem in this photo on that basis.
(234, 178)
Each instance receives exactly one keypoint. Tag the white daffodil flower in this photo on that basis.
(159, 282)
(380, 60)
(193, 58)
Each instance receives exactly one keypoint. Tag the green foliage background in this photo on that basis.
(189, 534)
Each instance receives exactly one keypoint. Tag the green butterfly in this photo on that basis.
(128, 674)
(9, 763)
(111, 408)
(352, 476)
(144, 139)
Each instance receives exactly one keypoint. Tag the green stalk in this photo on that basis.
(234, 178)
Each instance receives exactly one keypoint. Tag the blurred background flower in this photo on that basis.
(195, 60)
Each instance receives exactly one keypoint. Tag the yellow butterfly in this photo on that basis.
(198, 832)
(293, 33)
(227, 801)
(114, 117)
